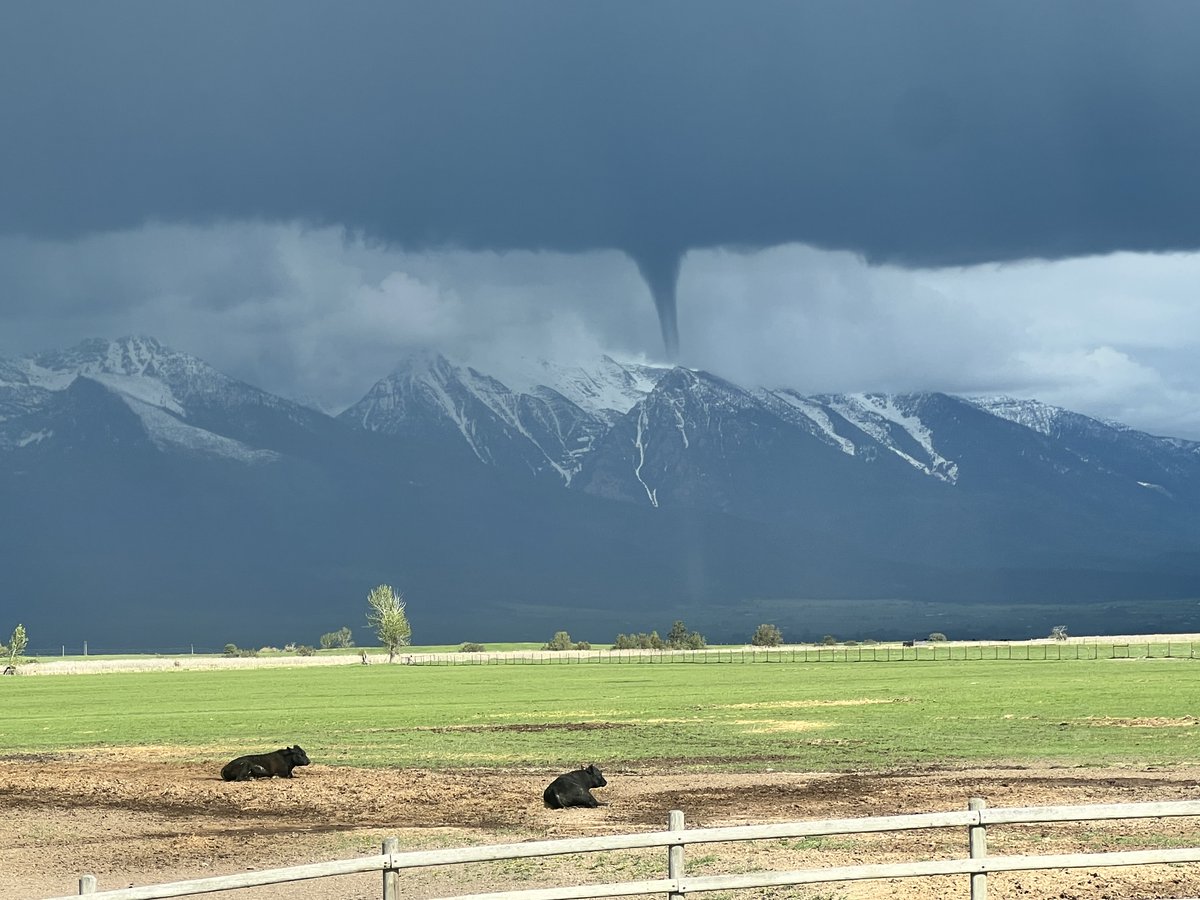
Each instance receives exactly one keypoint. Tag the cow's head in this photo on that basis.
(299, 757)
(595, 776)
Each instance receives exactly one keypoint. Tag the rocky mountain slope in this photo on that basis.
(157, 497)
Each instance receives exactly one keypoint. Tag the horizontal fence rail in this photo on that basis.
(677, 883)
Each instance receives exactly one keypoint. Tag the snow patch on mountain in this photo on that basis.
(17, 395)
(607, 387)
(143, 389)
(34, 437)
(167, 431)
(1157, 488)
(1041, 417)
(640, 445)
(816, 418)
(874, 413)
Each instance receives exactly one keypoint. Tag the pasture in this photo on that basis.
(128, 763)
(802, 717)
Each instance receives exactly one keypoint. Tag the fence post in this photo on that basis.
(391, 877)
(675, 853)
(87, 884)
(977, 844)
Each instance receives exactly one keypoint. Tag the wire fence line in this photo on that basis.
(797, 654)
(917, 652)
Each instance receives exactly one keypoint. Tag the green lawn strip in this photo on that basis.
(798, 717)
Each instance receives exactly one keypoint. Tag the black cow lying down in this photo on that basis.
(574, 789)
(265, 765)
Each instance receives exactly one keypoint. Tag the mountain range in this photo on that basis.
(150, 501)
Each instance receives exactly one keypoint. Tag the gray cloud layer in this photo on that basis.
(921, 133)
(321, 314)
(295, 190)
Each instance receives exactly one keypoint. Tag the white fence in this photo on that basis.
(676, 883)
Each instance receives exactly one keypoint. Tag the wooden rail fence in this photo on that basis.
(977, 864)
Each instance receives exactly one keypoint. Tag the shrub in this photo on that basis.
(471, 647)
(828, 640)
(583, 645)
(640, 641)
(343, 637)
(679, 638)
(305, 650)
(937, 637)
(231, 650)
(560, 641)
(766, 636)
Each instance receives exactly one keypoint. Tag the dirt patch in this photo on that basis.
(1146, 722)
(810, 704)
(527, 726)
(139, 817)
(770, 726)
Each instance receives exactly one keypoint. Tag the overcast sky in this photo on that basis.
(986, 197)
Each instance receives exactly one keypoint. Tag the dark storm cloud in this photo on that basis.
(919, 133)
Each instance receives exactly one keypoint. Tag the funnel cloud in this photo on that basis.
(922, 134)
(660, 271)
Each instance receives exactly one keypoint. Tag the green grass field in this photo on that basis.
(817, 717)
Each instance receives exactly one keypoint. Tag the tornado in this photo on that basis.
(660, 271)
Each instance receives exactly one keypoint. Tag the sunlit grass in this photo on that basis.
(800, 717)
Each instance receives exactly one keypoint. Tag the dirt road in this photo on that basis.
(145, 815)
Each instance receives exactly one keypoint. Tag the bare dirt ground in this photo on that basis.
(146, 815)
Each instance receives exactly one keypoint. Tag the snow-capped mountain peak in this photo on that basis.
(163, 387)
(1041, 417)
(136, 366)
(606, 387)
(539, 428)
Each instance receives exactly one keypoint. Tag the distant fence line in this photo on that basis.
(675, 882)
(839, 654)
(919, 652)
